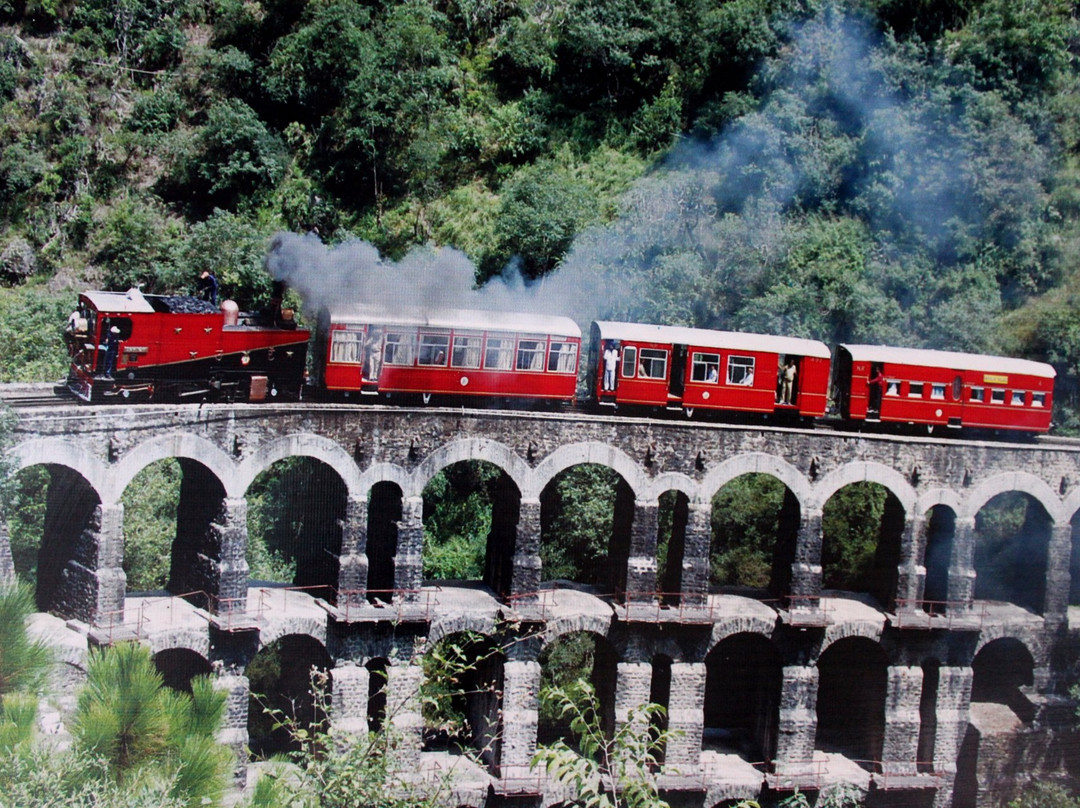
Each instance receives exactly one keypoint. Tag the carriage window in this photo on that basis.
(499, 354)
(530, 354)
(937, 391)
(433, 348)
(740, 370)
(997, 396)
(563, 357)
(915, 390)
(706, 367)
(653, 364)
(345, 347)
(466, 352)
(399, 349)
(1038, 399)
(978, 394)
(892, 387)
(629, 362)
(1017, 398)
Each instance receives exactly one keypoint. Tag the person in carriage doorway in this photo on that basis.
(787, 382)
(875, 386)
(112, 351)
(611, 365)
(372, 364)
(208, 286)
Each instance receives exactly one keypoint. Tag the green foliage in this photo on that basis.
(745, 526)
(236, 155)
(562, 663)
(31, 319)
(605, 771)
(578, 519)
(24, 506)
(129, 721)
(150, 502)
(851, 528)
(457, 520)
(138, 244)
(1045, 795)
(24, 662)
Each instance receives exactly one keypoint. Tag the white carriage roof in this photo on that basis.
(706, 338)
(130, 302)
(518, 322)
(953, 360)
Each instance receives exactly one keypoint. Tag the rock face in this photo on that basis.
(919, 689)
(18, 261)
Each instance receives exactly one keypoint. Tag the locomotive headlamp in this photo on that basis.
(245, 359)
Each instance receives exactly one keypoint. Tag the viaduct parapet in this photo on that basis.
(892, 688)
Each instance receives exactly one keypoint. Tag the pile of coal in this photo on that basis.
(185, 304)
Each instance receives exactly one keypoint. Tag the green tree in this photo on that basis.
(24, 662)
(605, 771)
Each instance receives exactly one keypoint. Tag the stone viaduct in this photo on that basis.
(892, 689)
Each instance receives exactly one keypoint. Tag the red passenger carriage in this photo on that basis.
(943, 388)
(517, 356)
(149, 347)
(690, 368)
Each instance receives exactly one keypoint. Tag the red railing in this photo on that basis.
(916, 613)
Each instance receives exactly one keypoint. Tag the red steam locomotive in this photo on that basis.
(172, 348)
(159, 348)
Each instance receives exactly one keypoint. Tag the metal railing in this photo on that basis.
(919, 613)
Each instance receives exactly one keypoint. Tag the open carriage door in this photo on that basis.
(677, 379)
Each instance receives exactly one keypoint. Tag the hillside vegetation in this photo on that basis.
(884, 170)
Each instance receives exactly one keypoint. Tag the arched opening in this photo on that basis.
(470, 525)
(852, 684)
(660, 693)
(51, 524)
(743, 675)
(376, 703)
(151, 502)
(862, 525)
(462, 696)
(999, 709)
(673, 516)
(940, 532)
(384, 514)
(196, 547)
(755, 524)
(586, 515)
(296, 510)
(283, 686)
(178, 666)
(573, 656)
(931, 671)
(1012, 536)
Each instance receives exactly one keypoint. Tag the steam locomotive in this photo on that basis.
(151, 348)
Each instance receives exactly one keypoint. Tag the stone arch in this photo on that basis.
(670, 481)
(284, 682)
(302, 444)
(468, 689)
(498, 454)
(756, 463)
(760, 625)
(754, 528)
(1026, 636)
(577, 454)
(850, 629)
(852, 689)
(179, 664)
(308, 625)
(864, 471)
(1021, 482)
(69, 454)
(1011, 548)
(602, 673)
(936, 548)
(388, 473)
(192, 640)
(1002, 669)
(743, 684)
(563, 624)
(179, 445)
(460, 623)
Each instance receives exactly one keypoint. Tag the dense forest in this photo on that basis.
(876, 170)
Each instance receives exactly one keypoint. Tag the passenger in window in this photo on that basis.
(714, 374)
(611, 364)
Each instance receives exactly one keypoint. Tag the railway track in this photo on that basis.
(35, 396)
